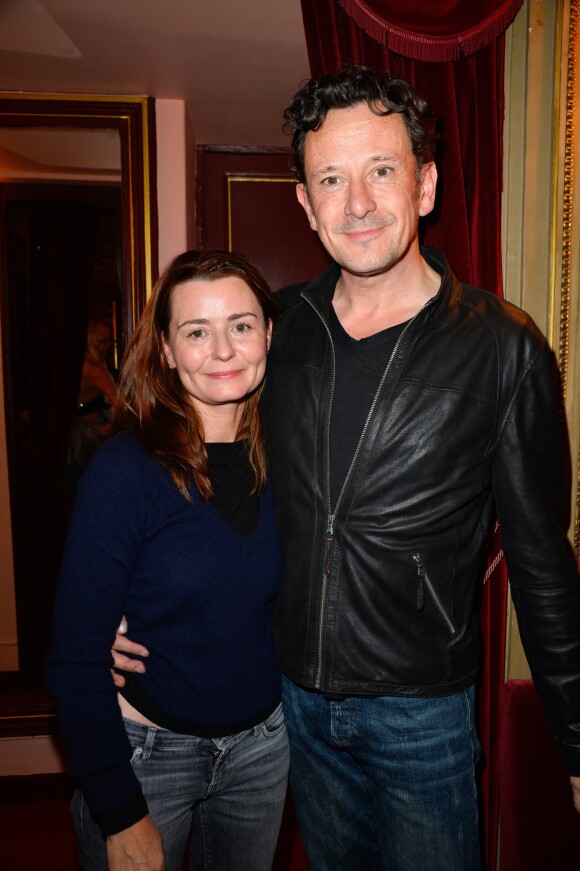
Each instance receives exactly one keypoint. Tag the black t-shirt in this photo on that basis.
(360, 364)
(232, 478)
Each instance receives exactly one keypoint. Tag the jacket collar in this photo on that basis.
(320, 291)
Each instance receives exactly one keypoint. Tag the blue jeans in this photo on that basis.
(384, 783)
(224, 795)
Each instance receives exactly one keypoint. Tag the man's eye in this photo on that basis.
(383, 171)
(330, 181)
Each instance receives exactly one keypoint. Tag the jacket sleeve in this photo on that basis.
(530, 493)
(103, 544)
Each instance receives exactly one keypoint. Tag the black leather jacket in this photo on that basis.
(379, 591)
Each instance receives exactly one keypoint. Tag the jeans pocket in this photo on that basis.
(274, 724)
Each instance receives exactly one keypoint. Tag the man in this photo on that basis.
(400, 405)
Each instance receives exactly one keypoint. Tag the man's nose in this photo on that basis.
(360, 200)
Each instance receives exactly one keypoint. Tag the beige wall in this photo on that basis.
(175, 165)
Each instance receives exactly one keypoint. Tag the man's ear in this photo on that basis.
(304, 200)
(427, 188)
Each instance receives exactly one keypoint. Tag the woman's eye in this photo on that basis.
(197, 334)
(242, 328)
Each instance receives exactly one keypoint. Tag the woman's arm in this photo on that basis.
(137, 848)
(104, 543)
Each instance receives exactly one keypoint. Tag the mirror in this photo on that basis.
(51, 287)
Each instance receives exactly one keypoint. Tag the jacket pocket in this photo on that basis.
(425, 586)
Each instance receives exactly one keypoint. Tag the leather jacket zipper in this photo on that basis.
(329, 534)
(428, 583)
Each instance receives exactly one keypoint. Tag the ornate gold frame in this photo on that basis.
(133, 118)
(567, 235)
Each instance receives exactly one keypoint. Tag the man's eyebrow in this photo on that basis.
(374, 158)
(325, 169)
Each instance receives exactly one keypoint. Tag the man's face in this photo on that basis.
(362, 194)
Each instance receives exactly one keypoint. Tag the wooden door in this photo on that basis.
(246, 202)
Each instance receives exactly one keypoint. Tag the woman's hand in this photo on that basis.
(121, 646)
(138, 848)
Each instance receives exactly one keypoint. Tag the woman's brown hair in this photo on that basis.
(152, 403)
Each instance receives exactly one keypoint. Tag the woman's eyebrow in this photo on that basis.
(233, 317)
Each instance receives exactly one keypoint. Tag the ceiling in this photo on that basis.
(236, 63)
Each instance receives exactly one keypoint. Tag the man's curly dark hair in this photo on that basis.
(383, 94)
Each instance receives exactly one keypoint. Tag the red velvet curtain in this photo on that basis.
(432, 30)
(452, 51)
(539, 827)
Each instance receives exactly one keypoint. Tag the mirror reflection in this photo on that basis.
(62, 311)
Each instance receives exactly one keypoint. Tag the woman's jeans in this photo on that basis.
(384, 783)
(224, 795)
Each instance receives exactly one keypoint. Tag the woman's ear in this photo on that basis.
(269, 328)
(168, 353)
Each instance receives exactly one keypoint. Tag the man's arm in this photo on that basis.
(529, 490)
(122, 646)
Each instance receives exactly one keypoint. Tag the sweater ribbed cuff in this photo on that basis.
(121, 818)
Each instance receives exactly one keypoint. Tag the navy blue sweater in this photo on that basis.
(195, 592)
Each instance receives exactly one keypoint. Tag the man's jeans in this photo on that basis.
(225, 794)
(384, 783)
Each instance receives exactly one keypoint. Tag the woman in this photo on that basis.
(97, 393)
(174, 528)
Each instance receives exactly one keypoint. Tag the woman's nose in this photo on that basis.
(222, 346)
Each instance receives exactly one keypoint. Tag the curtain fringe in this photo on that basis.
(421, 46)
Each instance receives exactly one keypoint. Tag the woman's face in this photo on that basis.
(217, 340)
(102, 340)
